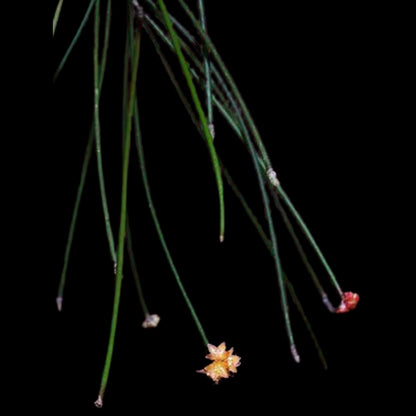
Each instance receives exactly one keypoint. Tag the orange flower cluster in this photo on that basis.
(223, 362)
(348, 303)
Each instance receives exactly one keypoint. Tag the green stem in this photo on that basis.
(128, 53)
(75, 39)
(62, 282)
(302, 253)
(134, 270)
(213, 50)
(169, 71)
(207, 67)
(87, 158)
(56, 16)
(283, 297)
(264, 160)
(216, 93)
(268, 245)
(269, 220)
(139, 144)
(106, 42)
(237, 102)
(309, 236)
(97, 131)
(205, 127)
(123, 220)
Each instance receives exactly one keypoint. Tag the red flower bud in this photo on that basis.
(348, 303)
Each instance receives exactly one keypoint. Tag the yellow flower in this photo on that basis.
(223, 362)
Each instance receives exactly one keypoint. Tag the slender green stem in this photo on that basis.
(283, 297)
(97, 132)
(208, 85)
(207, 66)
(269, 220)
(87, 158)
(247, 208)
(106, 42)
(309, 236)
(171, 74)
(176, 23)
(203, 119)
(62, 282)
(234, 120)
(302, 253)
(274, 246)
(264, 160)
(134, 270)
(219, 86)
(213, 50)
(128, 53)
(139, 145)
(152, 27)
(56, 16)
(299, 307)
(268, 245)
(123, 219)
(75, 39)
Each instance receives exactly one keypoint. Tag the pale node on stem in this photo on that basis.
(271, 174)
(211, 128)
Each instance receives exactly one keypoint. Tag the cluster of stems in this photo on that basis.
(206, 88)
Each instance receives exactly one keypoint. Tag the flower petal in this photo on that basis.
(217, 353)
(348, 303)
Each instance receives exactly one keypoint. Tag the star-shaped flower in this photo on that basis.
(223, 362)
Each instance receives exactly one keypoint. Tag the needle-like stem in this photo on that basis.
(204, 122)
(139, 144)
(123, 216)
(74, 40)
(207, 68)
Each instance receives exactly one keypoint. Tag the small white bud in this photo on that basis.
(271, 174)
(151, 321)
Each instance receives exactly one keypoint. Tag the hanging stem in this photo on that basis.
(309, 236)
(85, 164)
(97, 131)
(302, 253)
(159, 231)
(75, 39)
(205, 127)
(268, 244)
(207, 67)
(56, 16)
(123, 219)
(134, 270)
(279, 272)
(213, 50)
(62, 282)
(237, 122)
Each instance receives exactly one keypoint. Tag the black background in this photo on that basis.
(310, 77)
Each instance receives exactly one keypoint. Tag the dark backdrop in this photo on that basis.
(310, 77)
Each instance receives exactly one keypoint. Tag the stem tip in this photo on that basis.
(99, 402)
(59, 301)
(295, 354)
